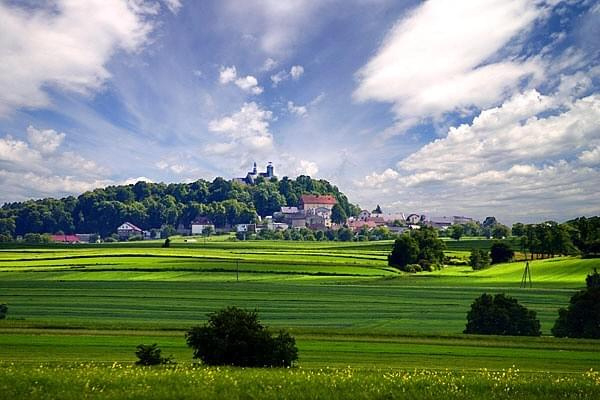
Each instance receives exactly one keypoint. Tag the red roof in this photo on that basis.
(318, 199)
(132, 226)
(65, 238)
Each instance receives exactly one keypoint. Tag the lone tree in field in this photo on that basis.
(3, 311)
(234, 336)
(501, 315)
(501, 252)
(479, 259)
(150, 354)
(582, 318)
(422, 247)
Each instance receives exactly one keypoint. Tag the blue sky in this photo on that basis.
(474, 107)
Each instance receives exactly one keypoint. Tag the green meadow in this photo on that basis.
(345, 306)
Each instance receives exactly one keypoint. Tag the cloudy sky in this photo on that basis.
(470, 107)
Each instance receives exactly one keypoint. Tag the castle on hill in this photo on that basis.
(252, 175)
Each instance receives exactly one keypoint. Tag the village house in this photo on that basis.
(199, 224)
(313, 201)
(69, 239)
(127, 230)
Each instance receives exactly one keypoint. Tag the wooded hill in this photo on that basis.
(152, 205)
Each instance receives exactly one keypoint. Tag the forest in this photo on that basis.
(153, 205)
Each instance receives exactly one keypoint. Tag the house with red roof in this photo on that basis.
(70, 239)
(314, 201)
(127, 229)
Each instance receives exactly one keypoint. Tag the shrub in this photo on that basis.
(413, 268)
(3, 311)
(479, 259)
(501, 315)
(501, 252)
(234, 336)
(582, 318)
(167, 243)
(150, 354)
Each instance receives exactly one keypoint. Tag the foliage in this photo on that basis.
(585, 234)
(234, 336)
(36, 238)
(152, 205)
(582, 317)
(501, 315)
(150, 354)
(338, 215)
(167, 243)
(3, 311)
(456, 232)
(421, 246)
(547, 239)
(501, 252)
(479, 259)
(500, 231)
(185, 382)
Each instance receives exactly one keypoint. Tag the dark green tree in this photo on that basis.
(150, 354)
(581, 319)
(501, 252)
(338, 215)
(3, 311)
(404, 252)
(234, 336)
(501, 315)
(479, 259)
(456, 232)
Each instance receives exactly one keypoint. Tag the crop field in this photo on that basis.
(92, 304)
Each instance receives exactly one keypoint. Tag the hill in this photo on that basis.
(152, 205)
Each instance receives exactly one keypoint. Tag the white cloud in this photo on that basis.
(590, 157)
(295, 109)
(528, 158)
(64, 46)
(45, 141)
(249, 84)
(305, 167)
(269, 65)
(39, 168)
(246, 132)
(279, 77)
(227, 74)
(173, 5)
(296, 71)
(133, 181)
(441, 57)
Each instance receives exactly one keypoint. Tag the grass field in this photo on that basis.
(341, 301)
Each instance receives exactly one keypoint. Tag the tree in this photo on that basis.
(377, 210)
(501, 252)
(518, 229)
(582, 317)
(500, 231)
(3, 311)
(234, 336)
(456, 232)
(338, 215)
(501, 315)
(167, 243)
(404, 252)
(345, 235)
(150, 354)
(479, 259)
(421, 246)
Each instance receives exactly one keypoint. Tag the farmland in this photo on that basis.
(341, 301)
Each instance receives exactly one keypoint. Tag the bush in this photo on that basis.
(501, 252)
(3, 311)
(479, 259)
(150, 354)
(167, 243)
(413, 268)
(422, 247)
(234, 336)
(501, 315)
(582, 318)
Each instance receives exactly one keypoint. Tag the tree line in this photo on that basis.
(153, 205)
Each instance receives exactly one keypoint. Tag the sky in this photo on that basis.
(470, 107)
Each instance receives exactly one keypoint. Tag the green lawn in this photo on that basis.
(341, 301)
